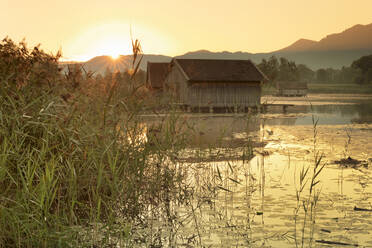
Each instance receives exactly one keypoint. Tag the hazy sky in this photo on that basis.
(85, 28)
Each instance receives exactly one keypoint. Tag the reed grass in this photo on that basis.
(73, 172)
(309, 178)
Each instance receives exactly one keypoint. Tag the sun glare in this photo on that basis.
(101, 40)
(114, 39)
(112, 45)
(115, 56)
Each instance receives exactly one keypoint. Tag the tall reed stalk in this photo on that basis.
(309, 203)
(68, 177)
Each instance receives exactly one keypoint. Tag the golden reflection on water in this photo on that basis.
(255, 203)
(240, 203)
(135, 135)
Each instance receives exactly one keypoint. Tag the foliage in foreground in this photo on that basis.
(74, 170)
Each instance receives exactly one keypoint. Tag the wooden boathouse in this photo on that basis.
(156, 74)
(291, 88)
(205, 83)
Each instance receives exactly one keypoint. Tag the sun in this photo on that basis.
(115, 56)
(112, 45)
(109, 40)
(113, 38)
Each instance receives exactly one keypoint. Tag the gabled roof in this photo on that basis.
(291, 85)
(156, 73)
(217, 70)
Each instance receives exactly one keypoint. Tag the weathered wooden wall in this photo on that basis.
(224, 94)
(176, 83)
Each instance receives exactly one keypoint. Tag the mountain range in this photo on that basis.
(333, 51)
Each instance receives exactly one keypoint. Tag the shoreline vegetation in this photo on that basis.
(74, 168)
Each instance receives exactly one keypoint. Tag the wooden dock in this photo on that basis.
(263, 108)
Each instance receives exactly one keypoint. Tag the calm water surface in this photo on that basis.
(254, 202)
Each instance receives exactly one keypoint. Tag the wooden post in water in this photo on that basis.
(210, 109)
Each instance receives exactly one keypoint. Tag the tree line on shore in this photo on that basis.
(282, 69)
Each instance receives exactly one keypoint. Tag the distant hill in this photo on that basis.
(205, 54)
(300, 45)
(99, 64)
(358, 37)
(335, 50)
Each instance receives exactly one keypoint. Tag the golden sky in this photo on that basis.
(86, 28)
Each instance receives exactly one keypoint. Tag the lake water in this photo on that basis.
(258, 202)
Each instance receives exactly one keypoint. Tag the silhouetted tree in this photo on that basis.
(288, 70)
(364, 64)
(305, 73)
(270, 68)
(347, 74)
(321, 76)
